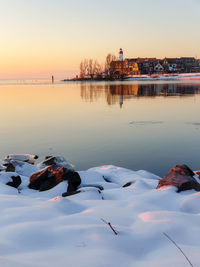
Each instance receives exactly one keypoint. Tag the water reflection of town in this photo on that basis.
(119, 93)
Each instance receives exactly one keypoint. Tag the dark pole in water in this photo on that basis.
(52, 78)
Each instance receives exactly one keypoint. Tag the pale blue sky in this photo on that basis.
(39, 37)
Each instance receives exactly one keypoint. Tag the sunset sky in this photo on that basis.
(44, 37)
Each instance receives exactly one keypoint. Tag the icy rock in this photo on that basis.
(11, 179)
(57, 161)
(180, 176)
(21, 157)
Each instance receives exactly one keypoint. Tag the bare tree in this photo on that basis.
(90, 67)
(109, 59)
(82, 71)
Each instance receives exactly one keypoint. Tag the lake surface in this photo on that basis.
(136, 125)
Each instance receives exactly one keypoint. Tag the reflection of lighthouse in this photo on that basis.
(121, 54)
(121, 100)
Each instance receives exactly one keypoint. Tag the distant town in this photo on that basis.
(118, 68)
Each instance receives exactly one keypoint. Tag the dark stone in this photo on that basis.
(49, 160)
(47, 157)
(127, 184)
(67, 194)
(180, 176)
(107, 179)
(53, 175)
(9, 167)
(100, 187)
(73, 179)
(16, 181)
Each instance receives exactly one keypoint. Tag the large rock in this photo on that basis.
(182, 177)
(53, 175)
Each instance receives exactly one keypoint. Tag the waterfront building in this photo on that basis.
(121, 68)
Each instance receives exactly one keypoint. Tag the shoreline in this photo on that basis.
(154, 77)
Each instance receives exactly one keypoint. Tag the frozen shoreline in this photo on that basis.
(163, 77)
(45, 229)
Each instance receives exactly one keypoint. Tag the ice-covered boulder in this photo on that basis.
(57, 161)
(182, 177)
(21, 157)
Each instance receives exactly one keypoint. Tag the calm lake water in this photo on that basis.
(136, 125)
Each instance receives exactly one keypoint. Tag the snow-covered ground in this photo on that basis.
(175, 76)
(45, 229)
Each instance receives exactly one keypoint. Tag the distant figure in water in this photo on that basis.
(52, 78)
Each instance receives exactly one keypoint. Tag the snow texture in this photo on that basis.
(44, 229)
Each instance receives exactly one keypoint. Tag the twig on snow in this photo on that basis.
(109, 224)
(168, 237)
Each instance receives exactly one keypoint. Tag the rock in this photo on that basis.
(67, 194)
(128, 184)
(21, 157)
(57, 161)
(180, 176)
(9, 167)
(10, 178)
(198, 173)
(53, 175)
(100, 187)
(107, 179)
(73, 179)
(16, 181)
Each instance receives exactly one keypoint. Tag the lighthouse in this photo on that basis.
(121, 57)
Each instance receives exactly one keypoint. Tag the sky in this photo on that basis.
(40, 38)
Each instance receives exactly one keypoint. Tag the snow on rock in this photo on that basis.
(58, 161)
(21, 157)
(40, 229)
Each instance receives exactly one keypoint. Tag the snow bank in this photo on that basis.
(45, 229)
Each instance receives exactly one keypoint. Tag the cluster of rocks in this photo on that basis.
(54, 170)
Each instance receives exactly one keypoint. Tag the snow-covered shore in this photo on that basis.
(46, 229)
(163, 77)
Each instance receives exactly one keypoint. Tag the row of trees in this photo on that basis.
(91, 68)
